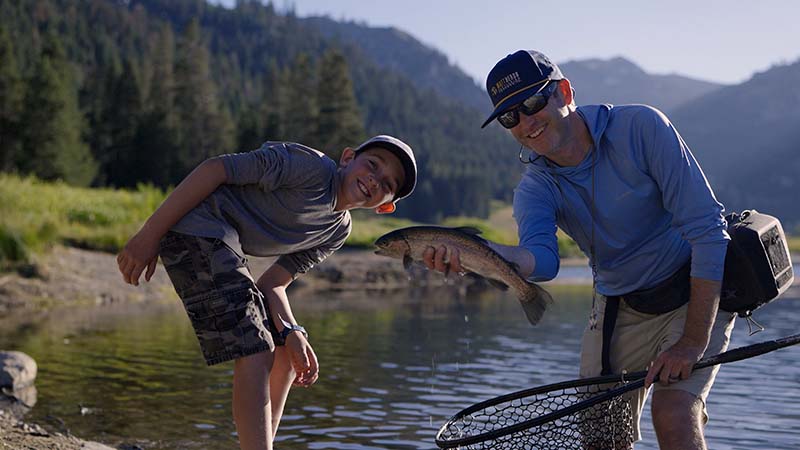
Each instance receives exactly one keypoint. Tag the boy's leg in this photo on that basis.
(230, 320)
(251, 401)
(280, 381)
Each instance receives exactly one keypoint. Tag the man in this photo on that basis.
(622, 183)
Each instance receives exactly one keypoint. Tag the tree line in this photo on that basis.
(105, 93)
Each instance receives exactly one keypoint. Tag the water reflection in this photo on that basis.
(393, 368)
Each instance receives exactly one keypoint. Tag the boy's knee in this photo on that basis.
(257, 363)
(283, 364)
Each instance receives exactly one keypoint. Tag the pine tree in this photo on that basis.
(94, 97)
(273, 102)
(161, 97)
(52, 146)
(121, 117)
(11, 97)
(205, 129)
(300, 114)
(157, 137)
(340, 124)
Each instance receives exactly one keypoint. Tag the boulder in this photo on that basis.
(17, 370)
(17, 374)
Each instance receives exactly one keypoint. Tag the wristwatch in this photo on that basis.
(289, 328)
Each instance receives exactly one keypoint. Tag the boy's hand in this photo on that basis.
(304, 360)
(139, 253)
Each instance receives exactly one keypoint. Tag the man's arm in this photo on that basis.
(141, 251)
(273, 283)
(447, 260)
(676, 362)
(698, 216)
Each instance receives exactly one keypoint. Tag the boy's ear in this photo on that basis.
(348, 154)
(386, 208)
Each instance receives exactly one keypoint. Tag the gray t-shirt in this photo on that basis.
(278, 200)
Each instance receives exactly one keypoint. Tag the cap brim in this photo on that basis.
(515, 99)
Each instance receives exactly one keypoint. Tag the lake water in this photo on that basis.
(394, 367)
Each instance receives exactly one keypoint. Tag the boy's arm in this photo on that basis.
(141, 251)
(273, 284)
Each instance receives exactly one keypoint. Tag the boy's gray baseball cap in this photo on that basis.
(404, 154)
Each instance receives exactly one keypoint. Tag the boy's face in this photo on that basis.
(369, 179)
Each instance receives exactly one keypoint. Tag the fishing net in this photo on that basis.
(586, 414)
(603, 426)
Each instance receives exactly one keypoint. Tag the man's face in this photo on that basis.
(545, 131)
(369, 179)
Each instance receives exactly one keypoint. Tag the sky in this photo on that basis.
(721, 41)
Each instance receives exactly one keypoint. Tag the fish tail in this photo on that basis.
(535, 301)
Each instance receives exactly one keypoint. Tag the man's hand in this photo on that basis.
(303, 359)
(443, 259)
(139, 253)
(674, 364)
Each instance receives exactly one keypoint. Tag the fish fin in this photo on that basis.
(408, 261)
(498, 284)
(469, 230)
(535, 301)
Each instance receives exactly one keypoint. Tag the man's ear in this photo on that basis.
(348, 155)
(386, 208)
(566, 91)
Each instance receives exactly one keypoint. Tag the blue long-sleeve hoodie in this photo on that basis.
(653, 207)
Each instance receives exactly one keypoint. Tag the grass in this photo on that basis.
(794, 244)
(35, 214)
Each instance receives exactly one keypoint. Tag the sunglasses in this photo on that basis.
(529, 106)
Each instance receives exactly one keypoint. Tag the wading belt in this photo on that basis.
(667, 296)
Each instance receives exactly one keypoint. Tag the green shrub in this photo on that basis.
(12, 248)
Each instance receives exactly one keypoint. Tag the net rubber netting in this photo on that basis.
(605, 426)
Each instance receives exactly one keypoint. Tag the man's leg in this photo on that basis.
(251, 402)
(280, 381)
(678, 420)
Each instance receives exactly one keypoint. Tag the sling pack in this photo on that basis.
(758, 267)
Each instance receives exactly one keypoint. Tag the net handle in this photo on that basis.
(737, 354)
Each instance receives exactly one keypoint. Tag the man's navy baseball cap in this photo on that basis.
(404, 154)
(517, 77)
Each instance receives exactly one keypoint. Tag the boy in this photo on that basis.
(285, 200)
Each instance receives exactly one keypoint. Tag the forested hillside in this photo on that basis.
(117, 93)
(402, 53)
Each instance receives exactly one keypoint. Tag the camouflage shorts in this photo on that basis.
(226, 308)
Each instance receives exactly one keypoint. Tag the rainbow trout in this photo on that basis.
(476, 256)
